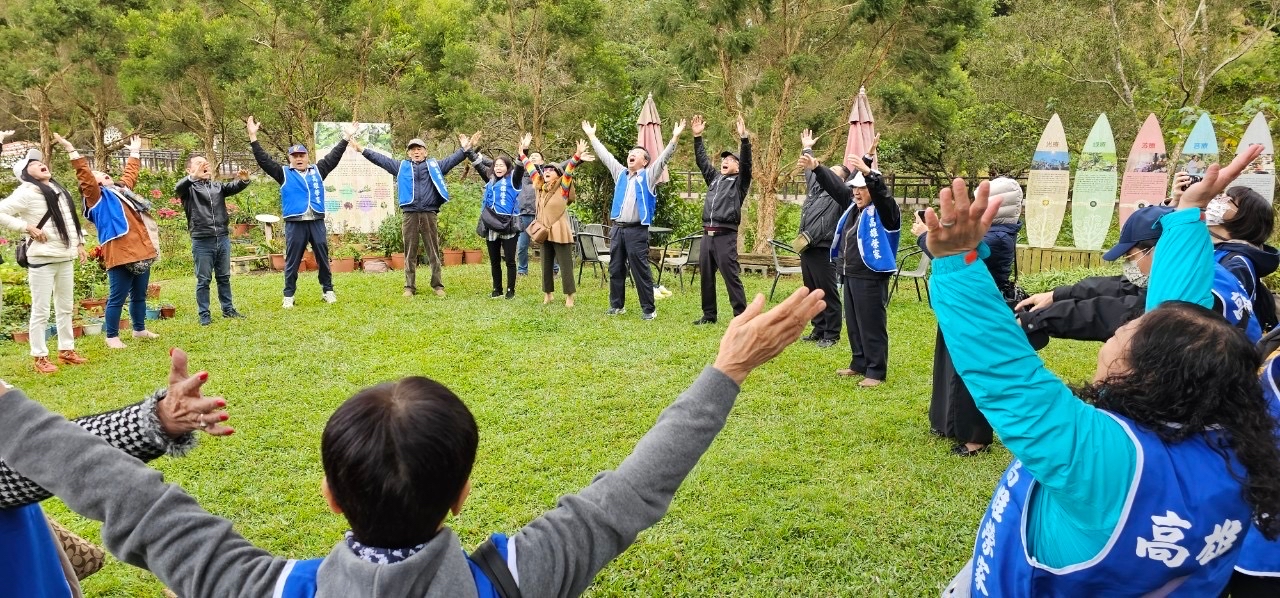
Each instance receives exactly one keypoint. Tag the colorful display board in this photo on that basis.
(1200, 149)
(1047, 186)
(1146, 173)
(358, 195)
(1093, 198)
(1261, 174)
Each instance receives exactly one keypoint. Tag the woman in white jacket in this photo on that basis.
(56, 241)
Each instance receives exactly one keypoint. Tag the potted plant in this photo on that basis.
(153, 313)
(93, 326)
(20, 334)
(344, 258)
(275, 251)
(391, 237)
(167, 311)
(241, 220)
(153, 291)
(308, 261)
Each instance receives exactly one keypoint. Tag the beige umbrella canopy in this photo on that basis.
(649, 132)
(862, 129)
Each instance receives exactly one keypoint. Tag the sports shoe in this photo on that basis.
(44, 366)
(616, 311)
(704, 320)
(330, 297)
(206, 320)
(826, 343)
(232, 314)
(649, 316)
(495, 295)
(288, 303)
(511, 294)
(870, 383)
(114, 342)
(665, 293)
(408, 292)
(811, 337)
(70, 357)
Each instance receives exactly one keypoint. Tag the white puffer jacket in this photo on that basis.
(26, 206)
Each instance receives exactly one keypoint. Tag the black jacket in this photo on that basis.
(1090, 310)
(426, 198)
(205, 203)
(1264, 261)
(722, 207)
(886, 208)
(820, 212)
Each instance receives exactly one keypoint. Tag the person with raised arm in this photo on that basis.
(727, 188)
(828, 196)
(302, 205)
(499, 215)
(555, 192)
(635, 201)
(421, 191)
(205, 202)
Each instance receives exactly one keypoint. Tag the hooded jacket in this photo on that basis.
(722, 206)
(205, 203)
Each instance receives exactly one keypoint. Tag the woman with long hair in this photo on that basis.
(555, 193)
(1145, 480)
(43, 208)
(500, 216)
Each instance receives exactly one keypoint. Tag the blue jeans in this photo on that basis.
(124, 283)
(213, 259)
(522, 246)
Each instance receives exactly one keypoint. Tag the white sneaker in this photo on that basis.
(288, 303)
(329, 297)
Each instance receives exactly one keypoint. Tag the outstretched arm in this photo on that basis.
(833, 185)
(330, 160)
(606, 158)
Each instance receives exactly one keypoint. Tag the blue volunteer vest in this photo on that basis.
(406, 186)
(302, 190)
(108, 216)
(1259, 556)
(502, 196)
(878, 246)
(298, 580)
(1183, 525)
(1235, 302)
(646, 201)
(29, 563)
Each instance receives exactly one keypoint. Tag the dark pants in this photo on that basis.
(498, 249)
(213, 260)
(629, 248)
(952, 411)
(297, 235)
(124, 283)
(867, 323)
(720, 252)
(1249, 586)
(522, 246)
(557, 256)
(819, 273)
(421, 225)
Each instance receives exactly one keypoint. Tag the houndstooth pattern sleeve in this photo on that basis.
(134, 429)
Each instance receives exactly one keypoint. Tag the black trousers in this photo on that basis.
(868, 326)
(1249, 586)
(952, 411)
(498, 250)
(720, 252)
(629, 248)
(819, 273)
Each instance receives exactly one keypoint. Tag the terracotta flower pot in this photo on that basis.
(472, 256)
(22, 337)
(241, 230)
(453, 257)
(277, 261)
(153, 291)
(344, 264)
(95, 306)
(77, 331)
(167, 312)
(397, 261)
(308, 261)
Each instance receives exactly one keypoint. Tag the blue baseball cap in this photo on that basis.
(1142, 225)
(297, 148)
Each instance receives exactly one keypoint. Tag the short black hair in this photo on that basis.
(646, 152)
(1254, 218)
(192, 158)
(396, 457)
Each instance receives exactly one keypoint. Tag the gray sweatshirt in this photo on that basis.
(157, 526)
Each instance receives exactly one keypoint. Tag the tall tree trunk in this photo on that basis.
(767, 206)
(208, 122)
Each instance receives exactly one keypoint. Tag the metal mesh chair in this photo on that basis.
(778, 268)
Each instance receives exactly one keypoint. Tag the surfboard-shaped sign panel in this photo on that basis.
(1200, 149)
(1093, 198)
(1260, 175)
(1047, 186)
(1146, 173)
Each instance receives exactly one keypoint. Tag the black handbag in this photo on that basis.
(21, 251)
(503, 224)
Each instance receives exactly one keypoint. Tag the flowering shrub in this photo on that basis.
(166, 214)
(156, 194)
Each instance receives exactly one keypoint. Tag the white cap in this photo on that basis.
(33, 155)
(858, 181)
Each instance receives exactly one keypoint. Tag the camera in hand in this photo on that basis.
(1194, 178)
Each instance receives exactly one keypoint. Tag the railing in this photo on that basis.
(173, 161)
(908, 189)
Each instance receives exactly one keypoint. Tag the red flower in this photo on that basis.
(155, 194)
(166, 213)
(173, 201)
(4, 241)
(232, 208)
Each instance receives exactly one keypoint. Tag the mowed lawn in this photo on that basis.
(814, 488)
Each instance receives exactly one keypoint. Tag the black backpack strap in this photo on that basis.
(491, 563)
(47, 214)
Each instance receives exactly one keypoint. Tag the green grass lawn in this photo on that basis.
(815, 487)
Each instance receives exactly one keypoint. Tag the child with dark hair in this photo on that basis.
(397, 459)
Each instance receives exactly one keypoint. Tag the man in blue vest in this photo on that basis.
(635, 200)
(867, 240)
(727, 188)
(421, 191)
(302, 202)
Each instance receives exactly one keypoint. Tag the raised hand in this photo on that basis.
(251, 126)
(754, 337)
(1216, 178)
(475, 140)
(807, 140)
(589, 129)
(697, 125)
(875, 145)
(62, 141)
(184, 408)
(464, 142)
(743, 133)
(355, 145)
(243, 175)
(525, 140)
(349, 131)
(807, 162)
(857, 162)
(5, 135)
(679, 128)
(961, 223)
(135, 145)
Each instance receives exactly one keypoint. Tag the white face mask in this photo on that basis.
(1215, 214)
(1134, 274)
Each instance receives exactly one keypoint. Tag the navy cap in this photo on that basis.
(1142, 225)
(724, 155)
(297, 148)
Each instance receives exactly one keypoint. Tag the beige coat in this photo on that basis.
(553, 211)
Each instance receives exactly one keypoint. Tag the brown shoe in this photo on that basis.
(870, 382)
(71, 358)
(439, 292)
(44, 366)
(408, 293)
(848, 373)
